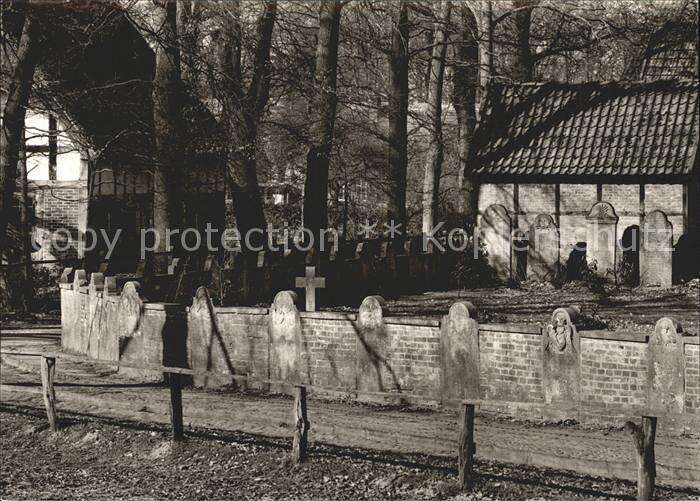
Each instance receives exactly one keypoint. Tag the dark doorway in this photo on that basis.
(520, 246)
(628, 267)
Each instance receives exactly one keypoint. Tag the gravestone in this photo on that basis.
(656, 259)
(666, 372)
(460, 353)
(372, 347)
(561, 358)
(286, 349)
(496, 233)
(130, 310)
(543, 249)
(71, 308)
(95, 315)
(310, 282)
(97, 283)
(601, 243)
(387, 261)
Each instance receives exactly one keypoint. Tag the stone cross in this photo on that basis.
(311, 282)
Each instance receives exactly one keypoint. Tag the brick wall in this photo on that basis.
(692, 378)
(329, 350)
(510, 363)
(414, 356)
(575, 202)
(58, 205)
(613, 376)
(613, 373)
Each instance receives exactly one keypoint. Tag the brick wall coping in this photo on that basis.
(167, 307)
(238, 310)
(422, 322)
(694, 339)
(634, 337)
(535, 329)
(45, 183)
(328, 315)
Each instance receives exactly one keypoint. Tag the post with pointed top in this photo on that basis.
(467, 447)
(301, 426)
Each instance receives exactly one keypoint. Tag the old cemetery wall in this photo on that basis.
(553, 371)
(100, 322)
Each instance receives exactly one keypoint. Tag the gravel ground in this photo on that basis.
(614, 308)
(110, 459)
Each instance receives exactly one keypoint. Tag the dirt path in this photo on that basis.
(85, 389)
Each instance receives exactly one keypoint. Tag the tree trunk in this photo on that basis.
(53, 147)
(486, 49)
(435, 153)
(524, 66)
(242, 113)
(322, 111)
(19, 88)
(466, 80)
(167, 121)
(398, 116)
(26, 230)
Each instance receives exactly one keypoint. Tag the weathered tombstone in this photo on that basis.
(666, 372)
(387, 259)
(141, 269)
(285, 339)
(110, 285)
(97, 283)
(95, 315)
(601, 244)
(460, 353)
(543, 251)
(174, 265)
(656, 260)
(130, 310)
(79, 279)
(416, 270)
(561, 358)
(66, 276)
(496, 234)
(372, 347)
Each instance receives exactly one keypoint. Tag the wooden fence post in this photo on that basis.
(301, 425)
(643, 437)
(176, 406)
(48, 368)
(467, 447)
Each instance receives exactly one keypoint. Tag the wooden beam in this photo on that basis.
(643, 438)
(467, 447)
(48, 369)
(176, 407)
(301, 426)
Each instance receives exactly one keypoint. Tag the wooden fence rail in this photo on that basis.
(643, 436)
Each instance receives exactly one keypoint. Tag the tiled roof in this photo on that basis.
(670, 61)
(592, 129)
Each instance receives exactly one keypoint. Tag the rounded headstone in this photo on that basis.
(371, 313)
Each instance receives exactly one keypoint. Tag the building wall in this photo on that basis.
(575, 202)
(60, 210)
